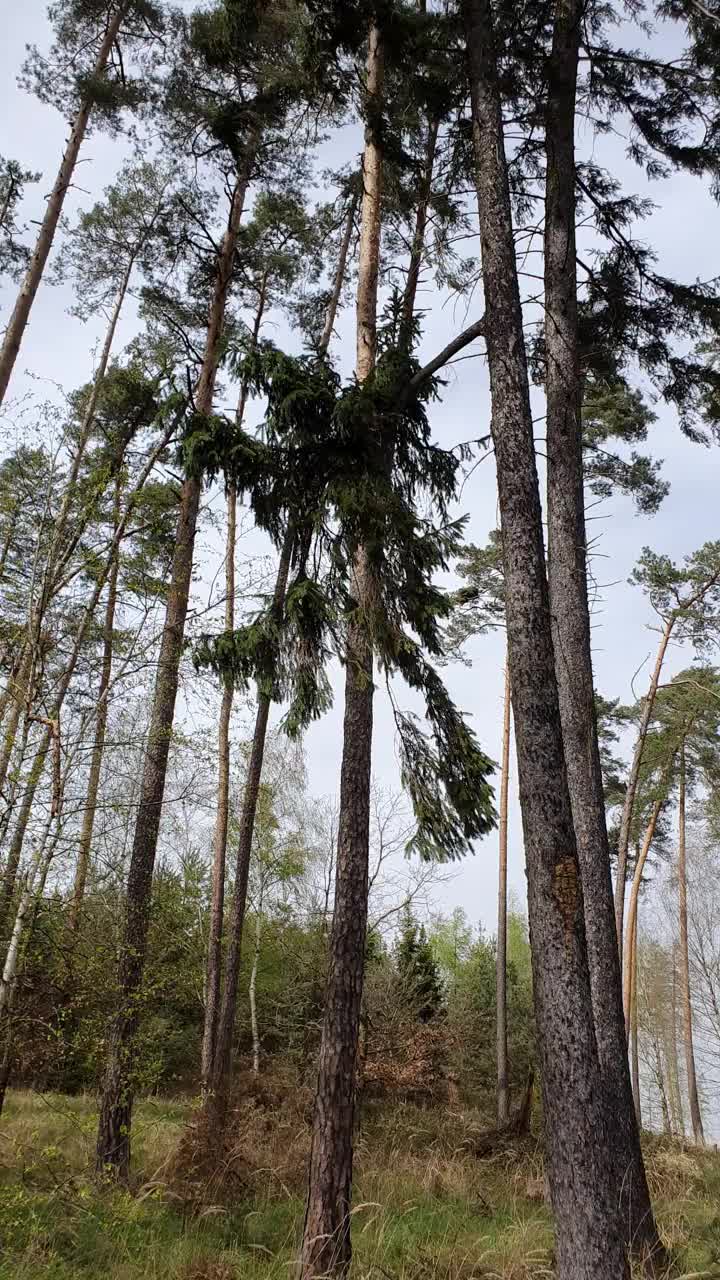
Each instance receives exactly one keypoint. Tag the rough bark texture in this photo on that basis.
(326, 1246)
(29, 287)
(685, 996)
(101, 717)
(578, 1128)
(503, 1091)
(567, 558)
(632, 784)
(113, 1140)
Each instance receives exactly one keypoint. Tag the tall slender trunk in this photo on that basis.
(635, 1048)
(29, 287)
(222, 1036)
(334, 303)
(417, 248)
(217, 907)
(578, 1125)
(226, 1022)
(15, 780)
(326, 1246)
(113, 1140)
(18, 687)
(252, 993)
(632, 783)
(685, 993)
(673, 1051)
(567, 559)
(16, 846)
(101, 717)
(633, 908)
(664, 1103)
(503, 1090)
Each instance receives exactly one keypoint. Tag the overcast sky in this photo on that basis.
(684, 233)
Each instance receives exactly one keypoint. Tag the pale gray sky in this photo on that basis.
(684, 232)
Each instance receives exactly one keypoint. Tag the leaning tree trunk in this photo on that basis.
(19, 696)
(16, 845)
(567, 559)
(29, 287)
(628, 971)
(113, 1140)
(222, 1037)
(217, 906)
(101, 717)
(503, 1090)
(326, 1245)
(632, 783)
(578, 1119)
(685, 994)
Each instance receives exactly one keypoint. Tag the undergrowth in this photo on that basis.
(425, 1206)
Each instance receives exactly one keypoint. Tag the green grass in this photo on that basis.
(423, 1206)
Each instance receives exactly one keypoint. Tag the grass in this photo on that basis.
(424, 1207)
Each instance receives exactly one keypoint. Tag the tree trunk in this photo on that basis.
(632, 784)
(664, 1105)
(253, 1002)
(334, 303)
(685, 994)
(567, 559)
(326, 1246)
(503, 1091)
(628, 973)
(113, 1141)
(23, 305)
(635, 1049)
(407, 314)
(676, 1093)
(19, 693)
(217, 908)
(226, 1023)
(214, 955)
(15, 780)
(86, 833)
(31, 785)
(578, 1121)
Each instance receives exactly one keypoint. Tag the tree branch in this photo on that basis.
(463, 339)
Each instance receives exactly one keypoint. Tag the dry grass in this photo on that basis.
(425, 1207)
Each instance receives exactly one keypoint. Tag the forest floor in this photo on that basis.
(425, 1204)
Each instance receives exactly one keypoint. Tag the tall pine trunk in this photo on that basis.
(632, 783)
(113, 1140)
(503, 1087)
(326, 1245)
(628, 974)
(567, 559)
(685, 993)
(578, 1124)
(213, 970)
(29, 287)
(101, 717)
(634, 1046)
(672, 1052)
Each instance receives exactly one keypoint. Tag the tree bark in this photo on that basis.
(503, 1091)
(578, 1125)
(23, 305)
(567, 559)
(635, 1049)
(632, 784)
(18, 687)
(326, 1245)
(252, 996)
(113, 1141)
(673, 1052)
(334, 303)
(685, 993)
(101, 717)
(16, 846)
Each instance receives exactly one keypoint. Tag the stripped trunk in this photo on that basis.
(632, 783)
(226, 1023)
(673, 1055)
(222, 1037)
(113, 1141)
(577, 1113)
(252, 994)
(326, 1246)
(101, 717)
(635, 1051)
(685, 994)
(628, 973)
(217, 908)
(23, 305)
(503, 1090)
